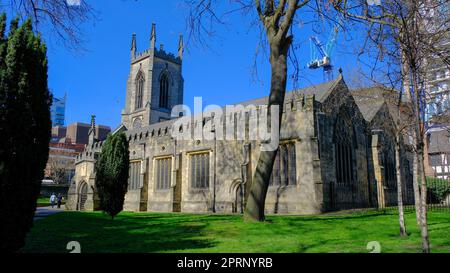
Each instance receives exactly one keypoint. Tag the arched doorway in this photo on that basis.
(82, 195)
(238, 198)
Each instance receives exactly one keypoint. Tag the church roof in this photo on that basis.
(320, 91)
(371, 100)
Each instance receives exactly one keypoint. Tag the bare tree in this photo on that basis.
(385, 70)
(394, 22)
(275, 18)
(61, 19)
(396, 129)
(417, 27)
(60, 169)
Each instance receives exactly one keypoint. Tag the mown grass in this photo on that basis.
(45, 202)
(157, 232)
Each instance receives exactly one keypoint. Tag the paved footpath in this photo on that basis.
(42, 212)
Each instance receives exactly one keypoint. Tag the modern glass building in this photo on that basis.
(58, 111)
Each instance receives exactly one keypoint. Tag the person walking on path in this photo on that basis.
(60, 198)
(52, 199)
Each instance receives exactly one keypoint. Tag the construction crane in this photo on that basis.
(324, 60)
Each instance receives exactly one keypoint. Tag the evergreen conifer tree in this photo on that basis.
(25, 129)
(112, 174)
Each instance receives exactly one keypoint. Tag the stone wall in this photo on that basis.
(225, 166)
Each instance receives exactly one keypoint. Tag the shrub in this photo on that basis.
(438, 189)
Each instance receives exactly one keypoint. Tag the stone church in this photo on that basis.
(336, 149)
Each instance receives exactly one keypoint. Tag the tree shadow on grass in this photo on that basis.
(438, 223)
(318, 247)
(294, 220)
(130, 234)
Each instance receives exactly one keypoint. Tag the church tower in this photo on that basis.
(155, 84)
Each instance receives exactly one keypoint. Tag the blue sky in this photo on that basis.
(95, 80)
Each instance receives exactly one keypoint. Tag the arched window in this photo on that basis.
(284, 170)
(389, 162)
(164, 91)
(390, 178)
(343, 136)
(139, 91)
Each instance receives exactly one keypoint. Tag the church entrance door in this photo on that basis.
(238, 206)
(82, 196)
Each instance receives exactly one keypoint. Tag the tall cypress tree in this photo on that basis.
(24, 129)
(111, 179)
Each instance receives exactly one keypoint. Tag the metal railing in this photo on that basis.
(344, 196)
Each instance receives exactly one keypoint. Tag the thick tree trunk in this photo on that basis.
(401, 216)
(254, 209)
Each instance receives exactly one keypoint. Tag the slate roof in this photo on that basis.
(320, 91)
(371, 100)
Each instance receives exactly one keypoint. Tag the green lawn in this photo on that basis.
(156, 232)
(45, 202)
